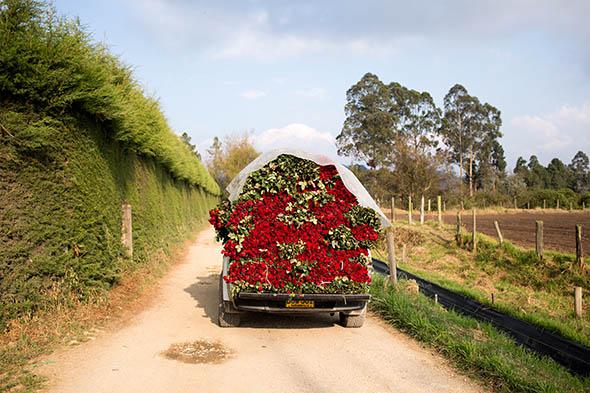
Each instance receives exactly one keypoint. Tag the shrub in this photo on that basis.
(535, 198)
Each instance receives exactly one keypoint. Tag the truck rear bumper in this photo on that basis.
(277, 303)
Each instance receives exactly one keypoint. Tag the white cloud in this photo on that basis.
(556, 131)
(271, 30)
(314, 92)
(296, 136)
(253, 94)
(224, 31)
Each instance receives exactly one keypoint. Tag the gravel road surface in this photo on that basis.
(268, 354)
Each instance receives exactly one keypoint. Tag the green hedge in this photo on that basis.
(62, 184)
(51, 65)
(78, 137)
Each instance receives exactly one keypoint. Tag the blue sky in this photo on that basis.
(280, 69)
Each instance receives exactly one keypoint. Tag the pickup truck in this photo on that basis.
(351, 308)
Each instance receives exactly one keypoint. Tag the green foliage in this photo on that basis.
(473, 346)
(471, 130)
(51, 65)
(368, 131)
(535, 198)
(228, 159)
(62, 184)
(580, 168)
(483, 199)
(557, 175)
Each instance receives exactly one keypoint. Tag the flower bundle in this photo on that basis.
(296, 229)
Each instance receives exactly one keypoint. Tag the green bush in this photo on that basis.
(482, 199)
(50, 64)
(535, 198)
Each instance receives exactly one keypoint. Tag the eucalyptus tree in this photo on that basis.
(417, 123)
(537, 176)
(485, 151)
(459, 109)
(470, 130)
(368, 134)
(490, 165)
(521, 167)
(558, 174)
(580, 169)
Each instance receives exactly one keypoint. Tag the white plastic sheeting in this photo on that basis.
(348, 178)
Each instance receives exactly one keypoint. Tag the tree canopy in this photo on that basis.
(227, 159)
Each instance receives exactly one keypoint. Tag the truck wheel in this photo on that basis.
(353, 321)
(225, 319)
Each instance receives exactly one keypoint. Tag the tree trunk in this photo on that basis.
(471, 172)
(461, 174)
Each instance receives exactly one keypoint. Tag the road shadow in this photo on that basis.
(205, 290)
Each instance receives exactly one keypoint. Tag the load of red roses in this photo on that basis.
(296, 228)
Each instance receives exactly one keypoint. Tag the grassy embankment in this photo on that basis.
(540, 292)
(476, 348)
(537, 291)
(78, 137)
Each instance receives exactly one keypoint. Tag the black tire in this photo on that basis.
(353, 321)
(225, 319)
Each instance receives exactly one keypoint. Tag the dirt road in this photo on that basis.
(268, 354)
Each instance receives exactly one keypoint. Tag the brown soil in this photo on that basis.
(519, 228)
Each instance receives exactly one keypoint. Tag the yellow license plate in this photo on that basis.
(300, 304)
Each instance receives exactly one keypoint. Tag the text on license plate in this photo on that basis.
(300, 304)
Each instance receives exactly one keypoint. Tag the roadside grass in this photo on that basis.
(27, 339)
(540, 292)
(476, 348)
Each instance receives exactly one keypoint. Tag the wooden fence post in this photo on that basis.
(127, 229)
(544, 204)
(515, 206)
(579, 251)
(458, 235)
(474, 233)
(429, 205)
(391, 256)
(528, 205)
(571, 206)
(439, 206)
(422, 210)
(499, 232)
(410, 208)
(404, 254)
(578, 301)
(539, 238)
(392, 209)
(444, 206)
(557, 204)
